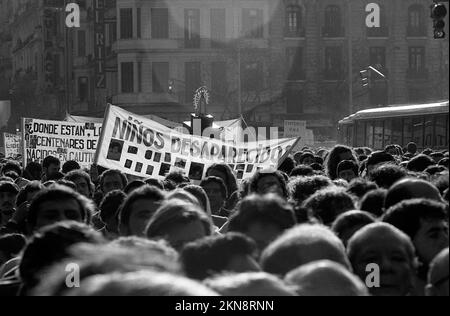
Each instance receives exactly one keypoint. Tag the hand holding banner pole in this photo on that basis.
(102, 134)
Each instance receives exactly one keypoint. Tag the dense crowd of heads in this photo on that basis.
(339, 222)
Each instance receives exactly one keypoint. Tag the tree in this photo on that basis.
(259, 72)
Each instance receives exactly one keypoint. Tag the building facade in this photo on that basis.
(5, 50)
(315, 36)
(271, 60)
(53, 66)
(286, 59)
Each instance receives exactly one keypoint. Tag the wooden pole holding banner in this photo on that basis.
(24, 154)
(288, 152)
(100, 143)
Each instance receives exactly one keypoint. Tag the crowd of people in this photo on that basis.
(338, 222)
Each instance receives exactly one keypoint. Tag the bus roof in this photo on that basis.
(395, 111)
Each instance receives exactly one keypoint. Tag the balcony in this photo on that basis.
(149, 44)
(378, 32)
(145, 98)
(414, 31)
(300, 33)
(333, 32)
(417, 74)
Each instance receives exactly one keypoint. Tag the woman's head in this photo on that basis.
(338, 153)
(179, 222)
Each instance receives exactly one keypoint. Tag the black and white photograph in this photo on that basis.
(213, 150)
(115, 150)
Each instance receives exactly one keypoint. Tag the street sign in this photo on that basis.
(100, 50)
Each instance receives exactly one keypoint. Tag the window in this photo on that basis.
(349, 135)
(428, 136)
(294, 59)
(417, 68)
(127, 73)
(218, 24)
(387, 139)
(333, 22)
(253, 23)
(416, 23)
(126, 23)
(441, 136)
(378, 135)
(378, 57)
(294, 21)
(417, 128)
(192, 28)
(294, 101)
(219, 84)
(83, 88)
(416, 58)
(333, 63)
(360, 134)
(160, 23)
(369, 134)
(139, 69)
(252, 76)
(192, 79)
(139, 22)
(407, 131)
(160, 77)
(81, 43)
(396, 136)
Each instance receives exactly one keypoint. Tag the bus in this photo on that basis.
(425, 124)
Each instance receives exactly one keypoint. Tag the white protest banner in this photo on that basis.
(294, 128)
(63, 140)
(144, 148)
(83, 119)
(12, 145)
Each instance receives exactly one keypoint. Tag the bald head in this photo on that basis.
(301, 245)
(325, 278)
(438, 275)
(390, 251)
(407, 189)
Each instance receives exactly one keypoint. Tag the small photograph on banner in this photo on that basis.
(115, 150)
(196, 171)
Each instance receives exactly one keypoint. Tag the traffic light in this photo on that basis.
(365, 77)
(171, 86)
(438, 14)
